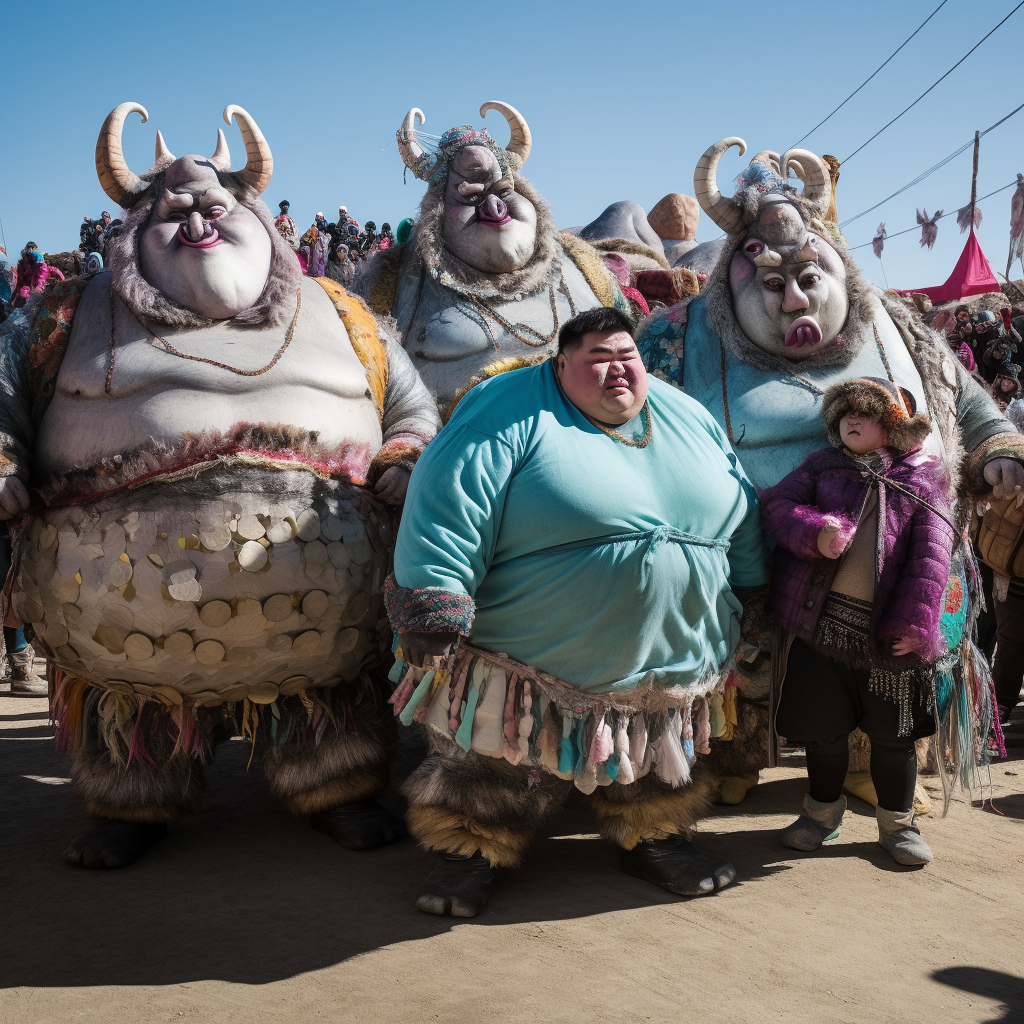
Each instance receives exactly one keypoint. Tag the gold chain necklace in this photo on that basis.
(513, 329)
(168, 347)
(642, 442)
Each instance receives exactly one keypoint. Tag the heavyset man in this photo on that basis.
(563, 591)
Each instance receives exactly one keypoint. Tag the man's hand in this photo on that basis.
(1006, 477)
(14, 500)
(392, 485)
(419, 649)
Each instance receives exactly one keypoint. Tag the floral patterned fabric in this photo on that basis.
(663, 342)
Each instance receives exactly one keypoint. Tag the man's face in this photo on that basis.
(604, 377)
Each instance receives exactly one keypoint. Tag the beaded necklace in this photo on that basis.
(633, 442)
(168, 347)
(514, 329)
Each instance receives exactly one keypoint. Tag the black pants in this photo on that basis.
(822, 702)
(1008, 667)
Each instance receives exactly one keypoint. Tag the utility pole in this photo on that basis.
(974, 178)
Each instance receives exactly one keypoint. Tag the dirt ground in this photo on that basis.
(244, 914)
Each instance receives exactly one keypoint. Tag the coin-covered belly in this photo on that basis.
(211, 589)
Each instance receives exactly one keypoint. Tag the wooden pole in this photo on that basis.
(974, 178)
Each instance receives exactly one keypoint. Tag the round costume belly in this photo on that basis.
(237, 583)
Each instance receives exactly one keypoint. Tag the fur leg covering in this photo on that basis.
(747, 752)
(465, 803)
(348, 765)
(154, 787)
(649, 809)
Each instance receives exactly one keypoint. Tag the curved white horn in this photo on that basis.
(259, 161)
(221, 158)
(408, 145)
(723, 211)
(120, 183)
(811, 170)
(521, 142)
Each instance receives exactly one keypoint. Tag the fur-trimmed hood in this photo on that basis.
(893, 407)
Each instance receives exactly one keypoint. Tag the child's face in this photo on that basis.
(860, 433)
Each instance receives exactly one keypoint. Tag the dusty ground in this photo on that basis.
(246, 915)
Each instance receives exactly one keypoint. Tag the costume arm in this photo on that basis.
(661, 340)
(792, 518)
(987, 433)
(17, 432)
(410, 413)
(915, 606)
(449, 530)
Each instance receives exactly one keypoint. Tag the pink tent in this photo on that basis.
(972, 275)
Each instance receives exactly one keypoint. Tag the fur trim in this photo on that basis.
(1000, 446)
(275, 305)
(302, 769)
(487, 790)
(381, 273)
(401, 451)
(746, 751)
(649, 809)
(877, 400)
(626, 248)
(491, 370)
(264, 443)
(450, 271)
(438, 829)
(349, 790)
(143, 791)
(590, 264)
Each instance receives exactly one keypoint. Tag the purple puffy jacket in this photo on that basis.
(916, 549)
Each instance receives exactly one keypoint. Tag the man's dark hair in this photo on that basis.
(603, 320)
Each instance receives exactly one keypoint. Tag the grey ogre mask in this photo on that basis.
(789, 285)
(480, 219)
(197, 246)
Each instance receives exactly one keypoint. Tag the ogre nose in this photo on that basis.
(195, 227)
(492, 209)
(794, 298)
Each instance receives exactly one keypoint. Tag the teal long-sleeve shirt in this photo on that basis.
(605, 565)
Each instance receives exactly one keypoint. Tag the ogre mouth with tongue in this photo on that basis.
(802, 332)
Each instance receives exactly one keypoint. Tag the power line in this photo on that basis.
(917, 227)
(873, 73)
(932, 86)
(931, 170)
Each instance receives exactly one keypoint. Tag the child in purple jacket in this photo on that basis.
(864, 540)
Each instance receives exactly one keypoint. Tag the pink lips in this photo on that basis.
(802, 332)
(212, 239)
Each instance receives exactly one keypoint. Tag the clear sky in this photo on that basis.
(622, 99)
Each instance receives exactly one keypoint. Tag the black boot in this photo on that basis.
(458, 886)
(677, 865)
(107, 843)
(360, 826)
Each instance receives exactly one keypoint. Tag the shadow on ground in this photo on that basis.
(243, 892)
(1008, 989)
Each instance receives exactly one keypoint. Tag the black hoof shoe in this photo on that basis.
(362, 826)
(458, 886)
(113, 844)
(677, 865)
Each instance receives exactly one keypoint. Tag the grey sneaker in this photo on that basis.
(899, 835)
(818, 824)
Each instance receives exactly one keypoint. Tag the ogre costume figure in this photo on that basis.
(486, 277)
(212, 442)
(785, 314)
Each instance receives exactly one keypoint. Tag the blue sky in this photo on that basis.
(622, 99)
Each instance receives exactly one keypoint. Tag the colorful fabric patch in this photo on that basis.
(663, 344)
(954, 608)
(48, 340)
(430, 610)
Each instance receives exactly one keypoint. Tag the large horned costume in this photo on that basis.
(785, 315)
(210, 442)
(486, 276)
